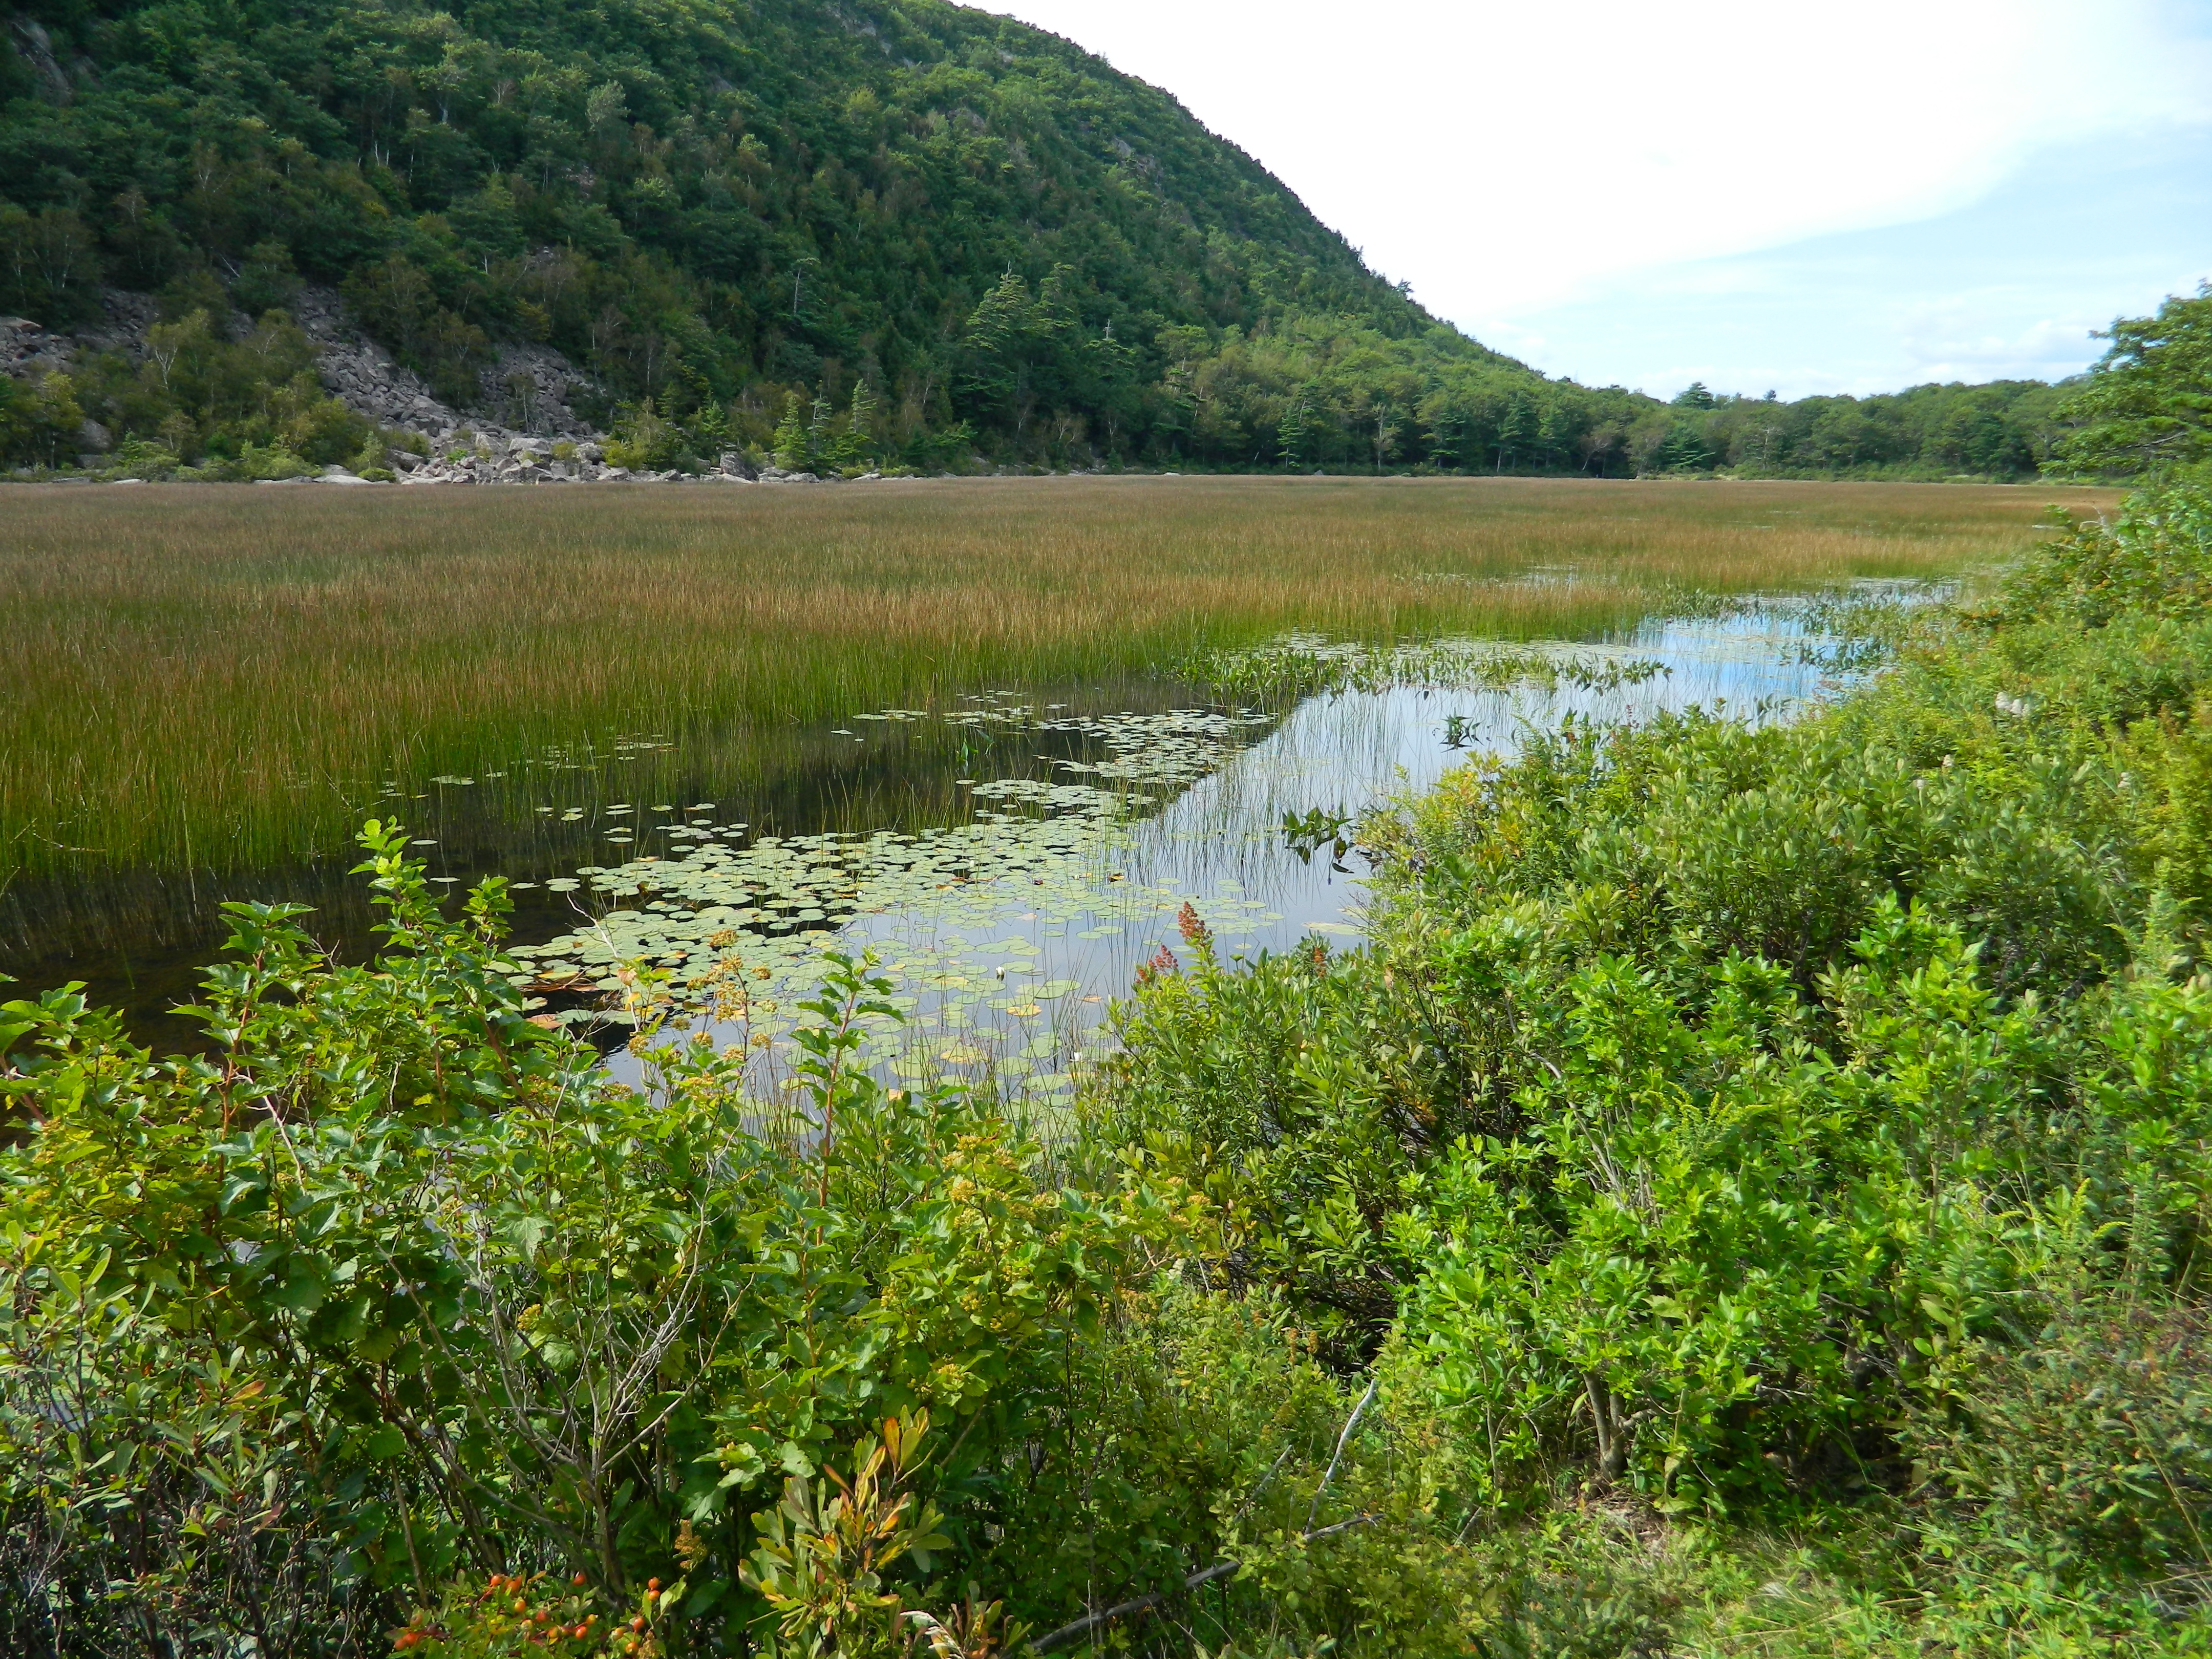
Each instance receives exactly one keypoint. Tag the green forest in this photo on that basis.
(847, 235)
(1748, 1193)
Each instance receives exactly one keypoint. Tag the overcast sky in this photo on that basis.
(1752, 193)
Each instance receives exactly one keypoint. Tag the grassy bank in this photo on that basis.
(225, 678)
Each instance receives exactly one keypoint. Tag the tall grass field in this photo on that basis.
(199, 677)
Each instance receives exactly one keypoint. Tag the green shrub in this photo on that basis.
(358, 1256)
(39, 420)
(2086, 1449)
(644, 442)
(1678, 1128)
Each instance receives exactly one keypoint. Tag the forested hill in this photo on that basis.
(702, 203)
(856, 232)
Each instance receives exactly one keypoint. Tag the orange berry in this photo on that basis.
(580, 1581)
(653, 1584)
(522, 1607)
(579, 1632)
(637, 1623)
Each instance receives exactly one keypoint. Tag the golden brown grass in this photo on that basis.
(219, 676)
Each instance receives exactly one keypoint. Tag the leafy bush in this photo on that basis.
(39, 422)
(1712, 1102)
(2089, 1447)
(371, 1349)
(206, 400)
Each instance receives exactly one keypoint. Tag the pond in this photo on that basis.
(1010, 861)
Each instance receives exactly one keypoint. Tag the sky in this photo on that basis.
(1759, 196)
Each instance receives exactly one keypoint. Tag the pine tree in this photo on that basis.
(858, 444)
(791, 448)
(1517, 431)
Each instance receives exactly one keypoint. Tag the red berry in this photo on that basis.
(580, 1581)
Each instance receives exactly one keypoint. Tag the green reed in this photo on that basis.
(222, 678)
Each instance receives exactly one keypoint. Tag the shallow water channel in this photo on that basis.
(1010, 861)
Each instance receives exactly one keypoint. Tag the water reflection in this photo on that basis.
(1014, 860)
(1004, 971)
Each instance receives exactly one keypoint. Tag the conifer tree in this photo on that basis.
(858, 443)
(792, 446)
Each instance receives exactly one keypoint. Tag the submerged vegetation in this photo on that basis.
(302, 652)
(1748, 1192)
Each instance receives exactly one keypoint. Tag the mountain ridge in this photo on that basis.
(850, 234)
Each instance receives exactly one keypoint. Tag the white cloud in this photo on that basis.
(1508, 157)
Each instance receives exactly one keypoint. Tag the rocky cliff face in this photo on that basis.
(523, 429)
(527, 390)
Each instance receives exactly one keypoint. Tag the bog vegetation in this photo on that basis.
(1748, 1193)
(881, 236)
(304, 652)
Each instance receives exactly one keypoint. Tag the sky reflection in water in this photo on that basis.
(1005, 941)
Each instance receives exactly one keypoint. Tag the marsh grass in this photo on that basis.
(218, 678)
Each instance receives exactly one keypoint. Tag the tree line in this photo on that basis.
(1020, 255)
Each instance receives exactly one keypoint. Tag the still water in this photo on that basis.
(1010, 862)
(1004, 939)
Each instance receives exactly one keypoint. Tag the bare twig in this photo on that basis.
(1350, 1424)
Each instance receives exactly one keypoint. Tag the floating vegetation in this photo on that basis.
(986, 929)
(558, 815)
(732, 935)
(1301, 665)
